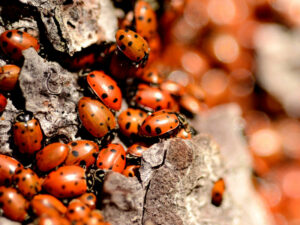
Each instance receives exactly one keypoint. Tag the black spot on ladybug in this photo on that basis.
(129, 43)
(101, 124)
(108, 127)
(4, 44)
(123, 47)
(9, 34)
(110, 168)
(9, 201)
(139, 98)
(92, 75)
(92, 115)
(127, 125)
(75, 153)
(16, 127)
(74, 143)
(71, 211)
(63, 186)
(20, 32)
(104, 95)
(122, 156)
(82, 105)
(130, 174)
(176, 121)
(76, 183)
(94, 85)
(168, 116)
(171, 127)
(141, 114)
(121, 37)
(23, 178)
(128, 113)
(108, 118)
(113, 150)
(35, 123)
(148, 129)
(149, 74)
(158, 107)
(157, 130)
(111, 87)
(61, 173)
(87, 144)
(138, 58)
(100, 163)
(135, 36)
(35, 141)
(15, 50)
(140, 18)
(31, 130)
(17, 180)
(23, 144)
(22, 131)
(115, 100)
(149, 20)
(11, 171)
(158, 99)
(89, 197)
(1, 193)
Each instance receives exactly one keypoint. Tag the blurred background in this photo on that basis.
(247, 52)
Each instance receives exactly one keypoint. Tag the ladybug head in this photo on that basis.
(24, 116)
(182, 119)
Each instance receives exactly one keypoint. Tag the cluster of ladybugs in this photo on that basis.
(65, 170)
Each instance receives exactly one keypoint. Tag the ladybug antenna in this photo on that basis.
(24, 116)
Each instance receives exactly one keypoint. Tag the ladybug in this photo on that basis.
(95, 117)
(27, 132)
(94, 218)
(131, 170)
(77, 211)
(162, 123)
(27, 182)
(130, 120)
(153, 99)
(132, 45)
(145, 20)
(13, 42)
(106, 89)
(89, 199)
(217, 192)
(82, 152)
(3, 102)
(191, 104)
(151, 75)
(51, 156)
(13, 204)
(137, 149)
(172, 87)
(47, 219)
(66, 182)
(47, 204)
(9, 75)
(184, 134)
(112, 158)
(8, 166)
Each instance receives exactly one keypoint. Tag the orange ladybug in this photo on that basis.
(217, 192)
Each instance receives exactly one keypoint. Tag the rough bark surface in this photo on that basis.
(177, 176)
(76, 24)
(51, 93)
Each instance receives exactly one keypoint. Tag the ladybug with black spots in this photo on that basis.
(132, 45)
(27, 133)
(51, 156)
(8, 166)
(47, 204)
(134, 153)
(145, 20)
(89, 199)
(82, 153)
(9, 75)
(131, 170)
(27, 182)
(130, 121)
(151, 75)
(66, 182)
(106, 89)
(13, 204)
(77, 211)
(217, 192)
(95, 117)
(113, 157)
(163, 123)
(13, 42)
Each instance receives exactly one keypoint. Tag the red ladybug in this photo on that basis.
(47, 204)
(27, 182)
(13, 204)
(145, 20)
(132, 45)
(94, 218)
(51, 219)
(3, 102)
(51, 156)
(89, 199)
(112, 158)
(9, 75)
(130, 171)
(106, 89)
(172, 87)
(191, 104)
(163, 122)
(8, 166)
(154, 99)
(95, 117)
(77, 211)
(137, 149)
(82, 152)
(217, 192)
(13, 42)
(66, 182)
(184, 134)
(27, 132)
(151, 75)
(130, 120)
